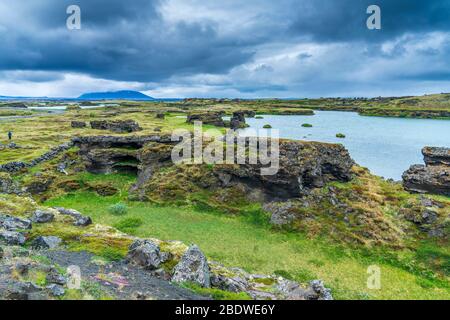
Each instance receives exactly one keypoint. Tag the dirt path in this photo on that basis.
(121, 280)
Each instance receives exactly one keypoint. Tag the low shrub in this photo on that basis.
(118, 209)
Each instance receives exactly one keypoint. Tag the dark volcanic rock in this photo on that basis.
(302, 166)
(8, 185)
(78, 124)
(119, 126)
(12, 238)
(42, 216)
(79, 219)
(436, 156)
(426, 179)
(13, 223)
(434, 177)
(46, 243)
(238, 120)
(212, 118)
(112, 154)
(144, 253)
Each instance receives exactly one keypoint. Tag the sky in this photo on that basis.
(226, 48)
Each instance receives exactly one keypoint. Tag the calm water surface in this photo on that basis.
(387, 146)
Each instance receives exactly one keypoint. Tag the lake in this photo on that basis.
(387, 146)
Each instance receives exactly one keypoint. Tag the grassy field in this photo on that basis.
(249, 242)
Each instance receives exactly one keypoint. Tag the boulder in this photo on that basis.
(119, 126)
(44, 243)
(233, 283)
(12, 238)
(53, 276)
(144, 253)
(13, 223)
(303, 166)
(160, 116)
(42, 216)
(434, 156)
(238, 120)
(281, 213)
(56, 290)
(434, 177)
(79, 219)
(78, 124)
(8, 185)
(15, 290)
(427, 179)
(193, 267)
(290, 290)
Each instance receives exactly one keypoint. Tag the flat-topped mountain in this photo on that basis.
(115, 95)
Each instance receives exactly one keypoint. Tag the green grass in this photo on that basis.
(248, 242)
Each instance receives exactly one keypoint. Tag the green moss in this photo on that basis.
(265, 281)
(216, 294)
(307, 125)
(129, 225)
(340, 135)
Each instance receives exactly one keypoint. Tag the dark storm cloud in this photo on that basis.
(345, 20)
(133, 41)
(119, 40)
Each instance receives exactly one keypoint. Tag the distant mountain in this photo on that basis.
(116, 95)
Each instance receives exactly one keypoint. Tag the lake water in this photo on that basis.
(62, 108)
(387, 146)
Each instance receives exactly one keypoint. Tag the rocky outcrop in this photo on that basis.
(434, 177)
(193, 267)
(212, 118)
(12, 238)
(8, 185)
(102, 154)
(11, 223)
(238, 120)
(303, 166)
(78, 124)
(42, 216)
(44, 243)
(79, 220)
(145, 253)
(119, 126)
(436, 156)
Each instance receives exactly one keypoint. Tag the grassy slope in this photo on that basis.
(236, 241)
(250, 243)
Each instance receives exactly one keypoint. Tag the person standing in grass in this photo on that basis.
(10, 134)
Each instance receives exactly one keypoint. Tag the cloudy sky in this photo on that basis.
(225, 48)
